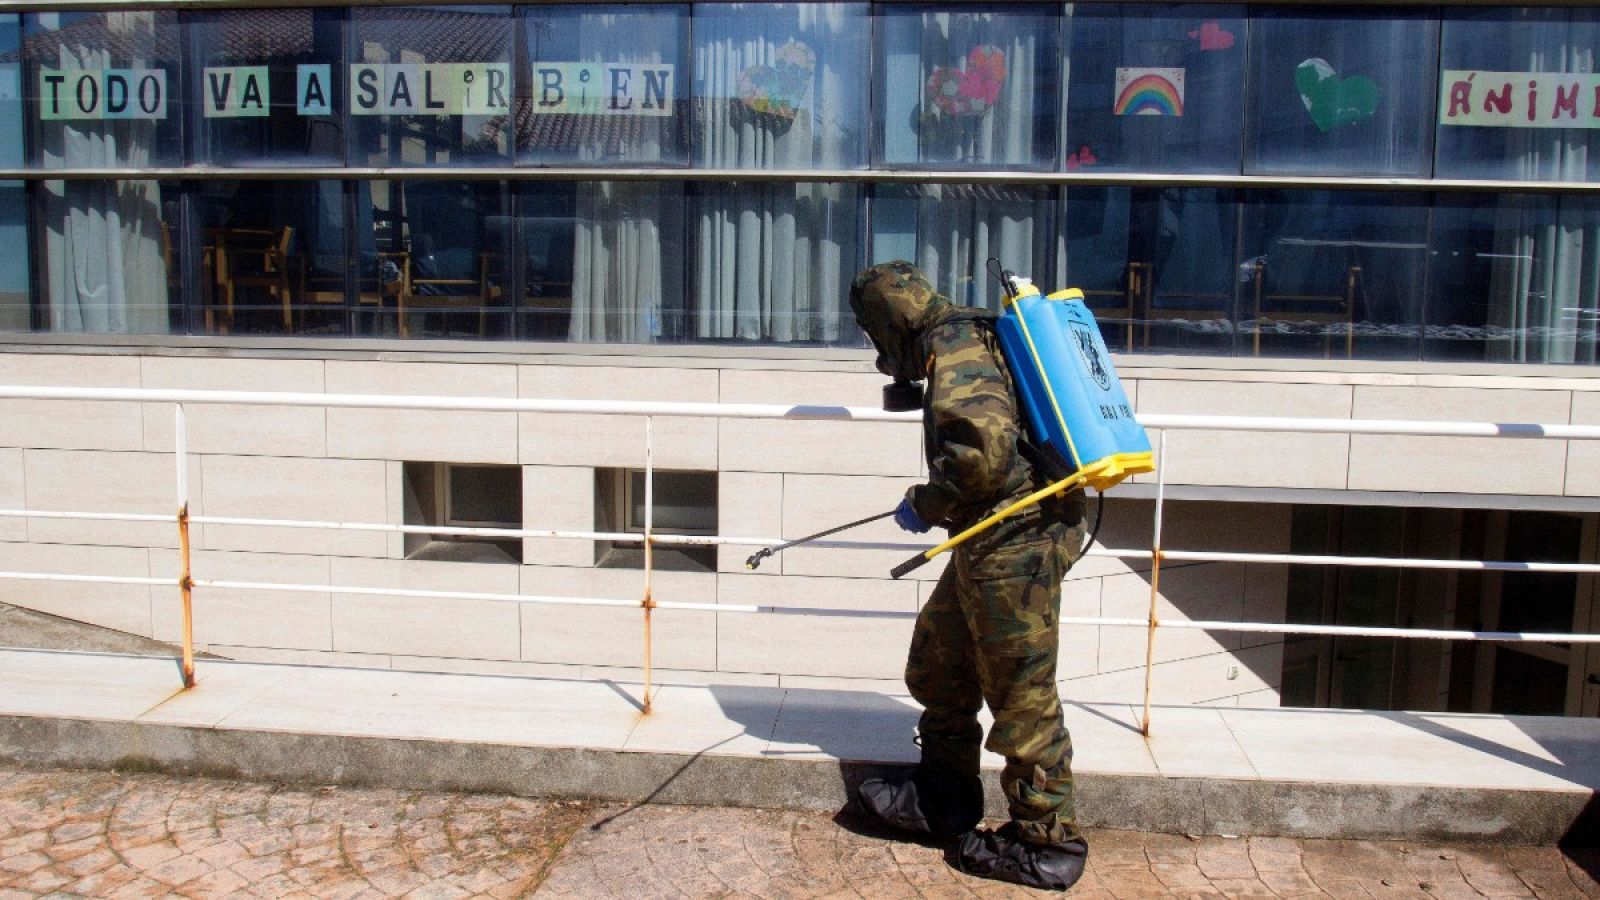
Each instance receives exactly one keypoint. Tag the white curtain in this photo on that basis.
(619, 268)
(105, 251)
(1544, 284)
(774, 261)
(1545, 278)
(621, 290)
(960, 227)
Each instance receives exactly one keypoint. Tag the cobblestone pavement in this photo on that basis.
(106, 835)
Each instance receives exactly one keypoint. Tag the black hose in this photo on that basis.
(1099, 516)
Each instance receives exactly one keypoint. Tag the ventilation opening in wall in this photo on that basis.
(457, 495)
(685, 503)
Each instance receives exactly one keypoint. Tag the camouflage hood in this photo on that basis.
(896, 304)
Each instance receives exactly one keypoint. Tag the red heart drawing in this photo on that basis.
(1212, 36)
(1083, 156)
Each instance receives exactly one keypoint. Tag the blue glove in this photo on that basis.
(906, 517)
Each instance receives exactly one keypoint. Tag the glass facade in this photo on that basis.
(430, 85)
(607, 85)
(1341, 92)
(752, 133)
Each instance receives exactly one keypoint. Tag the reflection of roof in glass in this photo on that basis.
(245, 37)
(623, 135)
(149, 38)
(437, 34)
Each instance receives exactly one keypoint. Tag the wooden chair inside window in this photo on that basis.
(257, 259)
(327, 288)
(1173, 306)
(1121, 308)
(418, 293)
(1335, 309)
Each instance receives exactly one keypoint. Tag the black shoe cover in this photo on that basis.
(1003, 856)
(928, 801)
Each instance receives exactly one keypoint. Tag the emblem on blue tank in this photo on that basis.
(1089, 355)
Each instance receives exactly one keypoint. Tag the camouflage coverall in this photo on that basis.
(989, 633)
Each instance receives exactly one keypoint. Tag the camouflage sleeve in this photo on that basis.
(973, 425)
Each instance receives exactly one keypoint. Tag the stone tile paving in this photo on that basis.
(106, 835)
(103, 835)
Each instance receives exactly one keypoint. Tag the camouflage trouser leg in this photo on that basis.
(989, 634)
(942, 673)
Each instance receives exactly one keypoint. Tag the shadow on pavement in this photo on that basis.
(1585, 858)
(1573, 757)
(27, 629)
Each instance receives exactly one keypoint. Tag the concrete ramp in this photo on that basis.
(1204, 770)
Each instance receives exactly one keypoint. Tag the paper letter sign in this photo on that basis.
(313, 84)
(76, 94)
(231, 91)
(438, 89)
(1519, 99)
(603, 89)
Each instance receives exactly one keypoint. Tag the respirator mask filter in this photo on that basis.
(902, 396)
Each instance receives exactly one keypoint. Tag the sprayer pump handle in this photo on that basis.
(908, 566)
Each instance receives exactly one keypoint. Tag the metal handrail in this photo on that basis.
(649, 410)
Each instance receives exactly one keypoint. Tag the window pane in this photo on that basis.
(432, 260)
(15, 314)
(1514, 278)
(950, 232)
(1484, 126)
(1332, 274)
(779, 86)
(775, 263)
(969, 88)
(684, 502)
(1526, 685)
(272, 86)
(431, 85)
(489, 494)
(1541, 601)
(11, 111)
(272, 256)
(1155, 264)
(608, 84)
(547, 227)
(106, 89)
(1155, 88)
(108, 256)
(1341, 93)
(603, 261)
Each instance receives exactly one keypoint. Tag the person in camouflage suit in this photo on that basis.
(989, 632)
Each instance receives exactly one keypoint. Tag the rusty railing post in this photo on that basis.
(185, 575)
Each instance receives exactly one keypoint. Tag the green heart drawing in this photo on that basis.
(1332, 100)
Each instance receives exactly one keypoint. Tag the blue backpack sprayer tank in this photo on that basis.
(1076, 414)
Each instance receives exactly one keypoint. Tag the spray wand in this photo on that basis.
(756, 557)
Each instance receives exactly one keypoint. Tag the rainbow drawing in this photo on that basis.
(1149, 92)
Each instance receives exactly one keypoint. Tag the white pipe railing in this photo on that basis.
(800, 412)
(650, 410)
